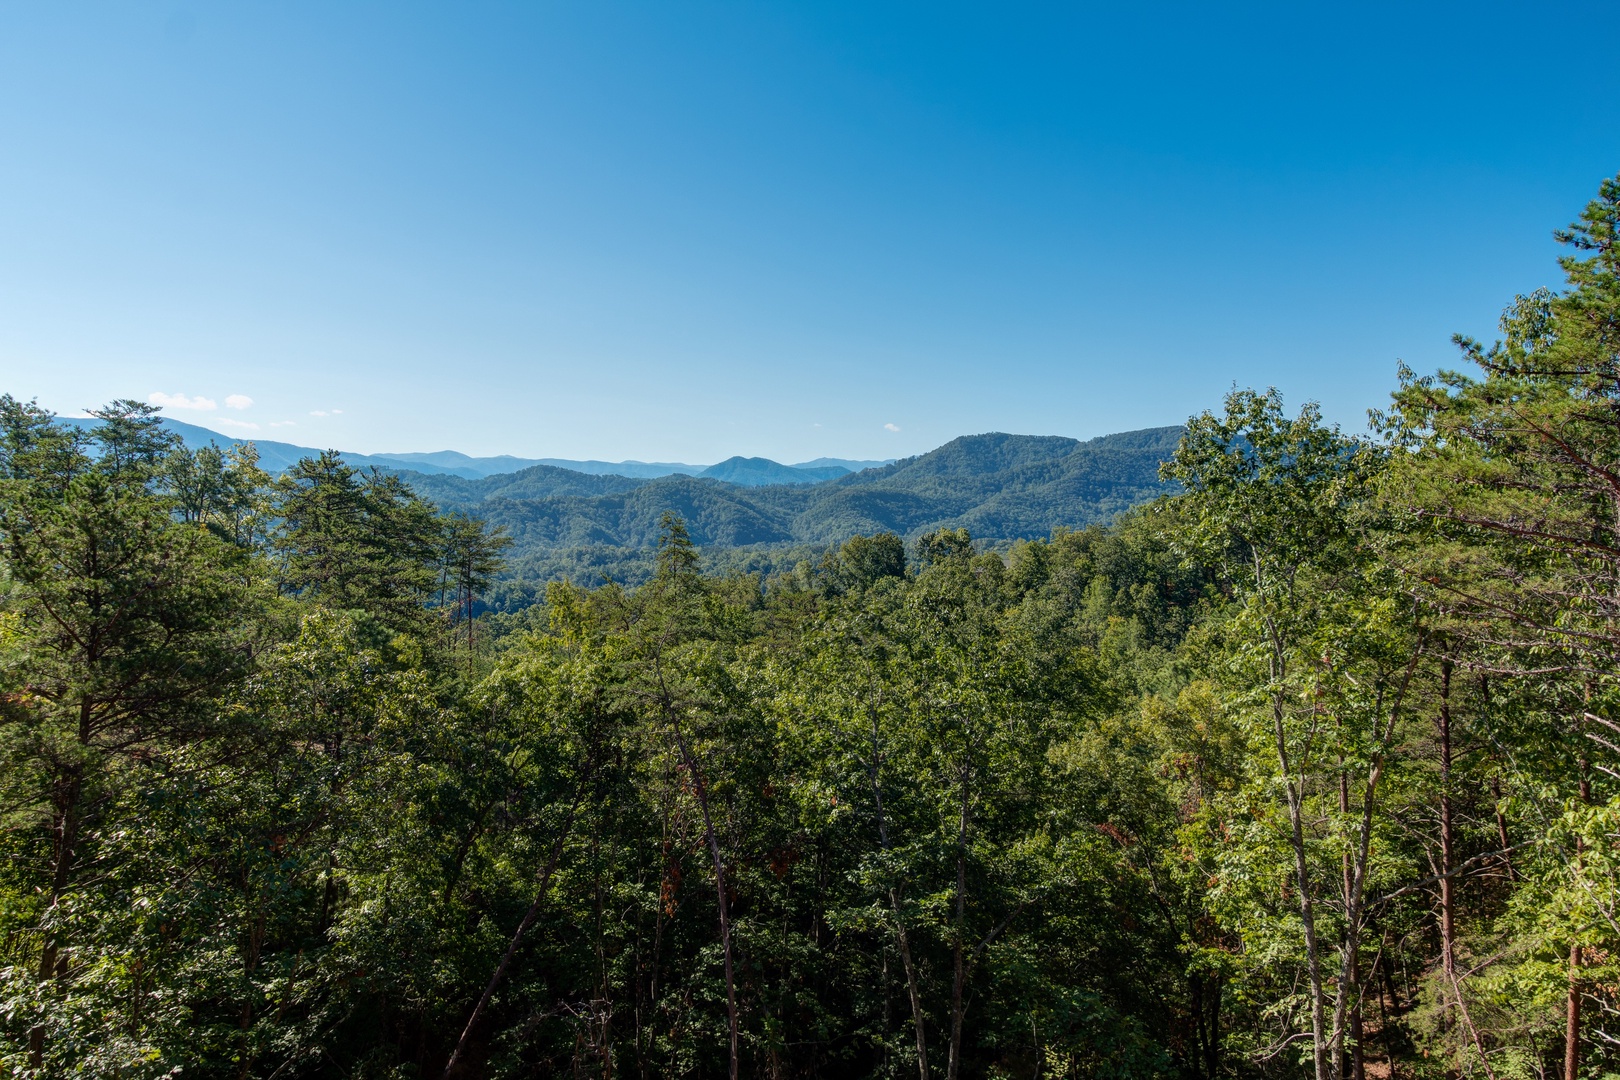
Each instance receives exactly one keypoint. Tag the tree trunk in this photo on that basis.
(1302, 873)
(1572, 1004)
(1195, 1006)
(1448, 917)
(723, 903)
(1302, 876)
(1501, 827)
(912, 989)
(1206, 1012)
(1307, 916)
(1572, 1017)
(517, 936)
(1496, 790)
(69, 795)
(1385, 1028)
(1356, 879)
(1351, 990)
(953, 1067)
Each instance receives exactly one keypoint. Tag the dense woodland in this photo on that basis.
(1308, 769)
(1000, 487)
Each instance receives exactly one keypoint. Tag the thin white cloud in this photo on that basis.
(318, 412)
(891, 427)
(181, 401)
(337, 412)
(238, 401)
(246, 425)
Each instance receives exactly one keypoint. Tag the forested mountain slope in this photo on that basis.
(758, 472)
(998, 486)
(534, 482)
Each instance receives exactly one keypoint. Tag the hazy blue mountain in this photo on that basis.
(276, 457)
(191, 435)
(758, 472)
(463, 465)
(850, 464)
(645, 470)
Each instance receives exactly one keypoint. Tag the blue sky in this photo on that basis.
(681, 231)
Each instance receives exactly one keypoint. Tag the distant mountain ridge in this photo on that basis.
(460, 464)
(998, 486)
(277, 457)
(758, 472)
(587, 525)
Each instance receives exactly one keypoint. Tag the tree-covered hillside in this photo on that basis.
(533, 482)
(759, 472)
(1001, 487)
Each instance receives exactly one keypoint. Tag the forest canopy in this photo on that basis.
(1307, 768)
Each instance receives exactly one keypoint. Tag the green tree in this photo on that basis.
(121, 629)
(1325, 647)
(471, 558)
(863, 561)
(224, 490)
(356, 541)
(1509, 474)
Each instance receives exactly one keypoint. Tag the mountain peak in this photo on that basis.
(760, 472)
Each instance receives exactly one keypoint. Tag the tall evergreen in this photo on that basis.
(355, 541)
(122, 625)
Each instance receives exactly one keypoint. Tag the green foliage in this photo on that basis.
(864, 561)
(122, 625)
(1509, 533)
(355, 541)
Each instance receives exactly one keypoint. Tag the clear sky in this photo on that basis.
(682, 231)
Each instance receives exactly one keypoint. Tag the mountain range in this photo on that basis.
(999, 486)
(276, 457)
(594, 519)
